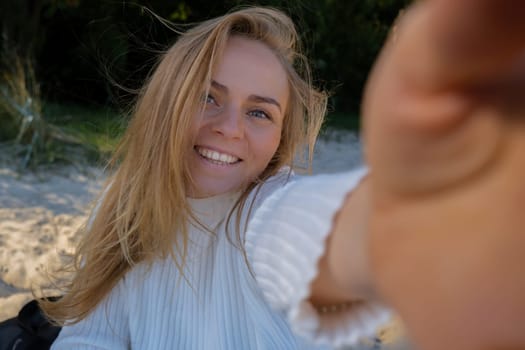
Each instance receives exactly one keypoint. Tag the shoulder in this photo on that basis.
(297, 189)
(303, 203)
(262, 191)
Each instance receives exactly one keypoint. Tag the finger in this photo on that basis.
(461, 42)
(479, 37)
(425, 113)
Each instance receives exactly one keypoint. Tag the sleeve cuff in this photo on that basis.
(285, 240)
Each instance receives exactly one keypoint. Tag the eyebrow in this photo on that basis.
(253, 98)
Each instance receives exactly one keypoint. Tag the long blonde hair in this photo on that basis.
(143, 212)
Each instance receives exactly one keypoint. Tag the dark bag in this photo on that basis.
(30, 330)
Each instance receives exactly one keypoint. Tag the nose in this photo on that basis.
(229, 123)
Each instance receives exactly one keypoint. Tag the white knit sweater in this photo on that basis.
(219, 304)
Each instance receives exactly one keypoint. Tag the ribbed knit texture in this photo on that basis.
(285, 240)
(219, 304)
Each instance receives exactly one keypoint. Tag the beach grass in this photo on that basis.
(99, 128)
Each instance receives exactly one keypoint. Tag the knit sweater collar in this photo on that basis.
(211, 211)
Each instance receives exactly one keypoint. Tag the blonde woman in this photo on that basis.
(166, 262)
(204, 239)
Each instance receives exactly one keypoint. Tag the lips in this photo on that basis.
(216, 157)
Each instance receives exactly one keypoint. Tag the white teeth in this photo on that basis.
(216, 156)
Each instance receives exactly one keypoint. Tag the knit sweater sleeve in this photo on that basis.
(284, 242)
(106, 327)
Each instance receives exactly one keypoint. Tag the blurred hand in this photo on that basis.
(444, 115)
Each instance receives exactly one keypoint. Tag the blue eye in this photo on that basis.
(210, 99)
(257, 113)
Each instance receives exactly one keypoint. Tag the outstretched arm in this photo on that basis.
(444, 118)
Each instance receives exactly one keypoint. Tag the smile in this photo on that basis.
(216, 157)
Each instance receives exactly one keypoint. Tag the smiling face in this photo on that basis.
(240, 129)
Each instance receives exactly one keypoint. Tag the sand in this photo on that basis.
(41, 212)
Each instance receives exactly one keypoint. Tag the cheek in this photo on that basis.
(267, 146)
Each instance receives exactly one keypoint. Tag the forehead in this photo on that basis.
(250, 67)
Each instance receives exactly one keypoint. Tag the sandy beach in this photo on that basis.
(41, 212)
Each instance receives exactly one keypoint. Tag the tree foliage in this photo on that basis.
(83, 48)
